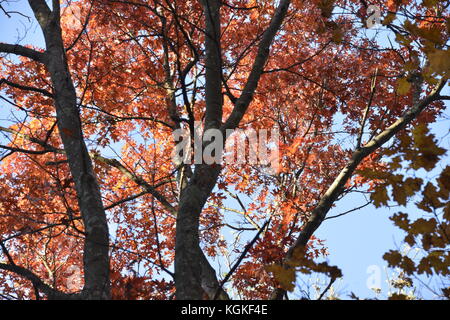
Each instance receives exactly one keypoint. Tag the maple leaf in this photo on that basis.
(439, 61)
(393, 258)
(380, 196)
(403, 86)
(284, 276)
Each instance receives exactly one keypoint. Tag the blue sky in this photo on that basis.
(356, 241)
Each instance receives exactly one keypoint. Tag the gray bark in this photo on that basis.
(194, 277)
(96, 248)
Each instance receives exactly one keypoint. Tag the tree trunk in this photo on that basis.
(96, 247)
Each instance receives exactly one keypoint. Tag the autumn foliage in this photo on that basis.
(144, 68)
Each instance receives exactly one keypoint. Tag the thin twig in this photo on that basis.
(241, 257)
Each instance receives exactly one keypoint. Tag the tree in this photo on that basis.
(131, 75)
(426, 237)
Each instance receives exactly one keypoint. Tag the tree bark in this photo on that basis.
(96, 247)
(191, 267)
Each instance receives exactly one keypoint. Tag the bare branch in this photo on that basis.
(241, 257)
(366, 111)
(348, 211)
(332, 280)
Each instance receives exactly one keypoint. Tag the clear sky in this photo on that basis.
(356, 241)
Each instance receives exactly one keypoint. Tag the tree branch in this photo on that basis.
(320, 211)
(42, 12)
(262, 56)
(26, 88)
(19, 50)
(112, 162)
(241, 257)
(52, 294)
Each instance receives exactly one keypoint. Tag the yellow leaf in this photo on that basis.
(424, 266)
(389, 18)
(433, 35)
(444, 179)
(402, 39)
(428, 152)
(421, 226)
(374, 174)
(429, 3)
(439, 61)
(412, 28)
(397, 296)
(407, 265)
(412, 185)
(380, 196)
(410, 66)
(401, 220)
(447, 211)
(395, 163)
(337, 36)
(326, 7)
(431, 196)
(393, 258)
(284, 276)
(399, 194)
(403, 86)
